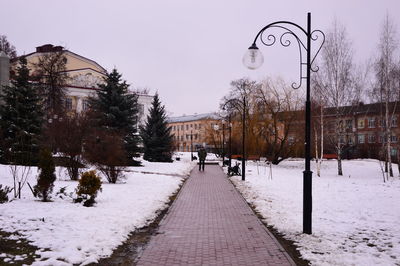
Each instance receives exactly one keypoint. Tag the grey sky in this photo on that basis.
(188, 51)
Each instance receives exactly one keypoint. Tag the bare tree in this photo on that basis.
(7, 47)
(335, 83)
(50, 72)
(105, 149)
(387, 88)
(237, 102)
(70, 137)
(278, 107)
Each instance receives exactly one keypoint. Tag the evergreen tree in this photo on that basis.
(21, 118)
(156, 135)
(116, 110)
(46, 178)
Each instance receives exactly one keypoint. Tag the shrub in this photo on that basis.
(4, 193)
(46, 178)
(88, 186)
(105, 149)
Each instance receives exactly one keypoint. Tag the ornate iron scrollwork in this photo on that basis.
(284, 39)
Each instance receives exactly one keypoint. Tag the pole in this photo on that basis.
(191, 145)
(230, 141)
(307, 174)
(223, 144)
(243, 140)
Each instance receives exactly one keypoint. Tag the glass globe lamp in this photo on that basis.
(253, 58)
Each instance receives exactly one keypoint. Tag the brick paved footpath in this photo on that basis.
(210, 224)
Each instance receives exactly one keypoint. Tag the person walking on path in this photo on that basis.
(202, 158)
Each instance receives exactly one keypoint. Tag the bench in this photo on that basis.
(329, 156)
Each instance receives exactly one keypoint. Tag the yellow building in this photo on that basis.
(84, 75)
(192, 131)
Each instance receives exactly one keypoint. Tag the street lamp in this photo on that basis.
(191, 145)
(223, 143)
(243, 105)
(253, 59)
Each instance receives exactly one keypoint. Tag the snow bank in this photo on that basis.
(69, 233)
(355, 216)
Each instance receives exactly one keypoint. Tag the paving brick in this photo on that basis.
(210, 224)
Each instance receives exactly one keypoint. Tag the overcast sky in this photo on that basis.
(188, 51)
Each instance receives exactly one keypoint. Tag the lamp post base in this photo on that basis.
(307, 201)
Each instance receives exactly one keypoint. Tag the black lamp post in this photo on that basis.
(230, 141)
(254, 59)
(223, 143)
(243, 105)
(191, 145)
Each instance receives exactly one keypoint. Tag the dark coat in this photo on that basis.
(202, 154)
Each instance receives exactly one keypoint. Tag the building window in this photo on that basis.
(361, 139)
(393, 139)
(141, 110)
(195, 126)
(349, 124)
(381, 138)
(68, 104)
(371, 138)
(350, 140)
(394, 121)
(393, 152)
(199, 126)
(340, 126)
(85, 105)
(191, 125)
(291, 140)
(382, 123)
(371, 122)
(181, 127)
(182, 138)
(187, 127)
(361, 123)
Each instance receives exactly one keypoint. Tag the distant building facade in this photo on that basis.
(361, 130)
(190, 131)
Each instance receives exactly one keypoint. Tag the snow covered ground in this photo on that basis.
(355, 216)
(68, 233)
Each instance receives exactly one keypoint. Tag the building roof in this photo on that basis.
(195, 117)
(51, 48)
(361, 108)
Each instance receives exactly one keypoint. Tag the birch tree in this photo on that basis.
(335, 83)
(386, 89)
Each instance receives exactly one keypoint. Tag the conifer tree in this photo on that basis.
(156, 135)
(21, 118)
(46, 178)
(116, 110)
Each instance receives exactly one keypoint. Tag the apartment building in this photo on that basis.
(361, 127)
(190, 131)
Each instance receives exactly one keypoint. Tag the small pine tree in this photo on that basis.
(46, 178)
(156, 135)
(21, 118)
(116, 110)
(89, 185)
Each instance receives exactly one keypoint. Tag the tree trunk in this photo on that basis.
(339, 160)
